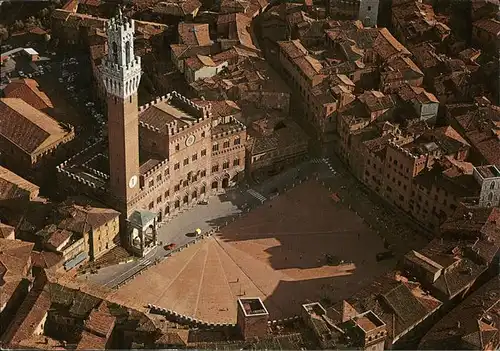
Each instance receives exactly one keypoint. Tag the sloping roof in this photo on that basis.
(5, 230)
(479, 124)
(27, 90)
(45, 259)
(489, 25)
(15, 256)
(177, 7)
(464, 323)
(26, 127)
(82, 219)
(58, 237)
(194, 34)
(13, 186)
(142, 217)
(399, 305)
(90, 341)
(100, 321)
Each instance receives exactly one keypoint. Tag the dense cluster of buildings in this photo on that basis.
(411, 109)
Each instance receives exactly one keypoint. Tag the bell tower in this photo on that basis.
(121, 73)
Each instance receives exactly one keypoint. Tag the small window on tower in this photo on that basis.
(115, 52)
(127, 47)
(369, 8)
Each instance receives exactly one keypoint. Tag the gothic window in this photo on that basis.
(127, 51)
(490, 196)
(115, 52)
(492, 185)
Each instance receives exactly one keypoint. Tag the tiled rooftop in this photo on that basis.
(27, 90)
(28, 128)
(464, 327)
(194, 34)
(13, 186)
(82, 219)
(479, 125)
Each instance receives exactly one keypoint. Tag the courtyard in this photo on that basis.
(302, 246)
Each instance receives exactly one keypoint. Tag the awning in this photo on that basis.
(69, 264)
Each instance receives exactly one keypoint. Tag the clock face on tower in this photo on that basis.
(132, 182)
(190, 140)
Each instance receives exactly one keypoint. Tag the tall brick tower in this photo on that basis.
(121, 73)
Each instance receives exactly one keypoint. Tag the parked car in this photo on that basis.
(170, 246)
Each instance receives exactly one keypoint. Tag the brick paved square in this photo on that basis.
(277, 252)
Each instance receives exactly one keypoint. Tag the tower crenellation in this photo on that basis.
(121, 71)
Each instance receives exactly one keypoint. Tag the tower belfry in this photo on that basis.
(121, 73)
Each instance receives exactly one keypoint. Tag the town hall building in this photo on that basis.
(160, 158)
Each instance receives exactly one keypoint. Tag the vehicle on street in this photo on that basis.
(170, 246)
(203, 202)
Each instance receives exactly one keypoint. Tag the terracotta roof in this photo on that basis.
(194, 34)
(13, 186)
(93, 3)
(400, 306)
(405, 65)
(90, 341)
(38, 30)
(479, 125)
(15, 256)
(58, 237)
(235, 26)
(376, 101)
(15, 259)
(471, 325)
(489, 25)
(182, 51)
(177, 7)
(100, 321)
(28, 317)
(45, 259)
(450, 133)
(220, 108)
(199, 61)
(386, 45)
(416, 19)
(27, 90)
(82, 219)
(26, 127)
(71, 5)
(308, 65)
(293, 49)
(5, 230)
(61, 14)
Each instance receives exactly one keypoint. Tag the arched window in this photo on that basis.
(492, 185)
(490, 196)
(127, 51)
(115, 52)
